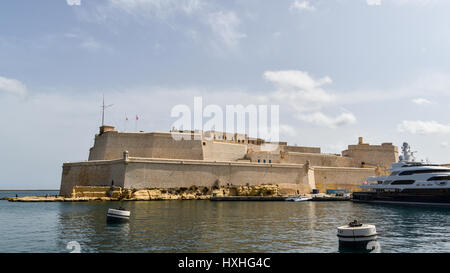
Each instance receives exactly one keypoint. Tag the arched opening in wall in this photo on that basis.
(204, 143)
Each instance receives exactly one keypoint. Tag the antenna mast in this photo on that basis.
(103, 110)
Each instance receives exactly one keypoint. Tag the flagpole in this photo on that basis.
(103, 110)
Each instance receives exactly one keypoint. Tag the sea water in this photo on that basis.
(207, 226)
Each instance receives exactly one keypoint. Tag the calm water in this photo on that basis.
(205, 226)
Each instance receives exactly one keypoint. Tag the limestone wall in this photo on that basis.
(221, 151)
(300, 149)
(377, 155)
(142, 173)
(341, 178)
(150, 173)
(264, 157)
(110, 145)
(95, 173)
(319, 159)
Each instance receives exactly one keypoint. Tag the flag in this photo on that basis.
(126, 118)
(137, 117)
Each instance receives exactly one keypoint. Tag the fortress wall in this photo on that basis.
(140, 173)
(376, 155)
(145, 173)
(319, 160)
(300, 149)
(221, 151)
(110, 145)
(95, 173)
(341, 178)
(165, 146)
(261, 156)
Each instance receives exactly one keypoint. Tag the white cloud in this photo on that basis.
(302, 5)
(306, 96)
(423, 127)
(224, 25)
(321, 119)
(373, 2)
(12, 86)
(85, 41)
(189, 17)
(73, 2)
(90, 44)
(431, 83)
(444, 144)
(288, 130)
(416, 2)
(158, 8)
(295, 78)
(421, 101)
(299, 90)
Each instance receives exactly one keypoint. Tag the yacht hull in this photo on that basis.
(407, 197)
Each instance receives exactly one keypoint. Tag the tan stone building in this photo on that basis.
(142, 160)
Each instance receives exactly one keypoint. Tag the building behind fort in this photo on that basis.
(142, 160)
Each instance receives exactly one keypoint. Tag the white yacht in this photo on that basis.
(409, 183)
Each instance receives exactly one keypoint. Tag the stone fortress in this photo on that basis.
(141, 160)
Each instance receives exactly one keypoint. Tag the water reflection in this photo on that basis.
(204, 226)
(372, 246)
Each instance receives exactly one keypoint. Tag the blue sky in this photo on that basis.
(339, 69)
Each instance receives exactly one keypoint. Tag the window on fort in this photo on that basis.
(270, 160)
(259, 160)
(204, 143)
(264, 161)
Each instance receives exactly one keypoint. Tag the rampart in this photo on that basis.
(110, 145)
(143, 173)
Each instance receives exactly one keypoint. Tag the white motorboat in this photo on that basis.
(117, 215)
(297, 199)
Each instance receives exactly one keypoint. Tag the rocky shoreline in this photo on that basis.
(101, 193)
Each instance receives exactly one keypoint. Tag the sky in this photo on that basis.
(338, 69)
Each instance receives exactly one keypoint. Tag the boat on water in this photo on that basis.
(117, 215)
(410, 182)
(297, 199)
